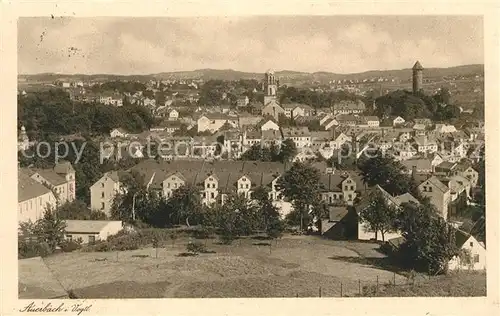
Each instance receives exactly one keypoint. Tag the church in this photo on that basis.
(271, 104)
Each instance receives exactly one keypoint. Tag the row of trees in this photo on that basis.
(52, 113)
(410, 106)
(284, 153)
(238, 216)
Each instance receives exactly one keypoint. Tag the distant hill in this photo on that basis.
(285, 75)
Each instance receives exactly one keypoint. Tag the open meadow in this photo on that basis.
(303, 266)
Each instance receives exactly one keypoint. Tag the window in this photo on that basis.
(212, 195)
(213, 185)
(247, 186)
(175, 185)
(352, 188)
(471, 244)
(102, 194)
(208, 185)
(476, 258)
(69, 237)
(102, 185)
(430, 189)
(102, 205)
(168, 185)
(350, 197)
(91, 239)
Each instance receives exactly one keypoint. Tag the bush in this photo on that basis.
(70, 245)
(196, 247)
(30, 249)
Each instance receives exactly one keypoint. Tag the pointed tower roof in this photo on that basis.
(418, 66)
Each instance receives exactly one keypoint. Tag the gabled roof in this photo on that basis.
(437, 183)
(50, 176)
(28, 188)
(86, 226)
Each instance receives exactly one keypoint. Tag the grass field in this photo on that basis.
(300, 266)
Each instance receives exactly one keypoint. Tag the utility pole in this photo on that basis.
(133, 207)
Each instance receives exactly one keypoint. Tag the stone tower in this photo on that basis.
(270, 87)
(417, 77)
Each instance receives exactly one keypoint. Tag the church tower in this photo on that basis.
(417, 77)
(270, 87)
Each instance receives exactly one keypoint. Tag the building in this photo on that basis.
(300, 136)
(61, 180)
(424, 144)
(90, 231)
(273, 109)
(248, 120)
(349, 107)
(364, 232)
(242, 101)
(418, 165)
(368, 121)
(212, 122)
(269, 124)
(271, 84)
(173, 114)
(417, 77)
(118, 133)
(33, 198)
(346, 119)
(398, 121)
(439, 194)
(23, 142)
(472, 253)
(103, 192)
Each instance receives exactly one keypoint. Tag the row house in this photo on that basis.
(299, 135)
(368, 121)
(349, 107)
(215, 187)
(60, 179)
(346, 119)
(168, 126)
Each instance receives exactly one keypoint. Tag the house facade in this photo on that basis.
(439, 194)
(33, 198)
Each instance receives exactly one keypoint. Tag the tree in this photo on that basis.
(288, 150)
(186, 204)
(379, 215)
(50, 228)
(388, 173)
(429, 241)
(78, 210)
(300, 184)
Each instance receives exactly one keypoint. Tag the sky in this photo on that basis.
(340, 44)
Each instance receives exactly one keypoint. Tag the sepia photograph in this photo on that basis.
(272, 156)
